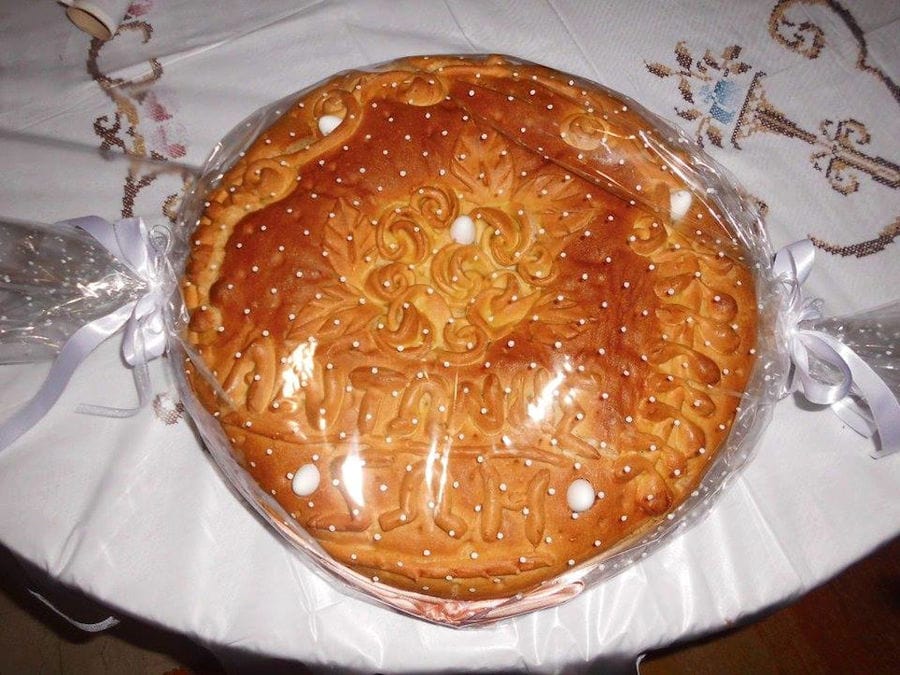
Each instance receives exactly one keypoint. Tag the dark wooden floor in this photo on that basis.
(850, 625)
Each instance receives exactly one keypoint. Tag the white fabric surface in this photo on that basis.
(133, 513)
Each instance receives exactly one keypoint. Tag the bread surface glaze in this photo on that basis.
(474, 328)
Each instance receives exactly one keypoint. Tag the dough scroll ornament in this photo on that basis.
(404, 282)
(698, 315)
(645, 486)
(584, 131)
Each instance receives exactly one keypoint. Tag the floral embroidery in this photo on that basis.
(142, 125)
(714, 82)
(723, 100)
(724, 95)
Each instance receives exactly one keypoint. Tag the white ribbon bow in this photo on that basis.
(792, 266)
(143, 321)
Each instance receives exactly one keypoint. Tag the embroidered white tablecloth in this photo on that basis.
(799, 99)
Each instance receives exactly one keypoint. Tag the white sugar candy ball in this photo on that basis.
(580, 495)
(679, 204)
(328, 123)
(306, 480)
(462, 231)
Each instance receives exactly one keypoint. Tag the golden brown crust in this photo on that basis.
(447, 393)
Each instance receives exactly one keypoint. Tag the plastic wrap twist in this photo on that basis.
(793, 265)
(143, 321)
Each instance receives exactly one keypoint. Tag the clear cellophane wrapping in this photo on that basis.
(740, 222)
(52, 281)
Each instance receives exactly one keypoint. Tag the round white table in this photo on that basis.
(133, 513)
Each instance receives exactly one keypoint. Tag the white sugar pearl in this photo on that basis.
(462, 231)
(580, 495)
(679, 204)
(306, 480)
(328, 123)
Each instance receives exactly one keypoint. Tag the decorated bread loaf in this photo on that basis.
(472, 327)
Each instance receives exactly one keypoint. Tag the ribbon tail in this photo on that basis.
(84, 341)
(141, 374)
(98, 627)
(882, 404)
(855, 415)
